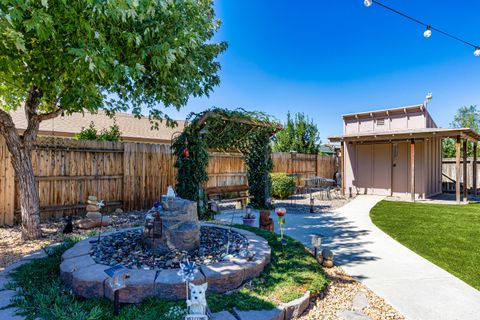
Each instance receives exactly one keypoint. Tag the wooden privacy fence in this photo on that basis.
(126, 175)
(305, 165)
(449, 175)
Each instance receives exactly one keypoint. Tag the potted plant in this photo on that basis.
(249, 217)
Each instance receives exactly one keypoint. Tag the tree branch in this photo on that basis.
(50, 115)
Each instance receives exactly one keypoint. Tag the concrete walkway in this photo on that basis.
(415, 287)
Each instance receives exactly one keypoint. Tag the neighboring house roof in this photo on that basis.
(327, 149)
(132, 129)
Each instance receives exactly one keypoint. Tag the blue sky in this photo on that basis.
(327, 58)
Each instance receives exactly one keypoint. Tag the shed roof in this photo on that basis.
(132, 129)
(406, 109)
(464, 133)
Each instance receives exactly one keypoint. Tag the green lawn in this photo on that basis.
(287, 277)
(447, 235)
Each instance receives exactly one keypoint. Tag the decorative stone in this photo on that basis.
(92, 198)
(169, 284)
(327, 263)
(295, 308)
(327, 254)
(92, 202)
(360, 301)
(352, 315)
(69, 266)
(88, 282)
(92, 208)
(274, 314)
(174, 226)
(90, 223)
(139, 285)
(94, 215)
(223, 276)
(222, 315)
(118, 210)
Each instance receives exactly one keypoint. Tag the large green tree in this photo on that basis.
(466, 117)
(59, 56)
(299, 134)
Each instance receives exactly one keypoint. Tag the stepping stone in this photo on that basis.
(274, 314)
(352, 315)
(223, 315)
(6, 298)
(10, 314)
(360, 301)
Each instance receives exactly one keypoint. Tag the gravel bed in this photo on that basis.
(339, 295)
(127, 248)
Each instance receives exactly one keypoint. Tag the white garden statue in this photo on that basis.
(170, 192)
(197, 303)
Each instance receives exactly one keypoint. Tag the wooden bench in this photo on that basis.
(227, 194)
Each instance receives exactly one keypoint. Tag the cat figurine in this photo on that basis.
(68, 226)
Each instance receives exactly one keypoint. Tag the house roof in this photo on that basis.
(132, 129)
(464, 133)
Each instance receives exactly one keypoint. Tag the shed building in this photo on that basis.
(398, 152)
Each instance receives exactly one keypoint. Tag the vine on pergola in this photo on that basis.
(224, 130)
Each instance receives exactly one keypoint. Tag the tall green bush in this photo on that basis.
(283, 186)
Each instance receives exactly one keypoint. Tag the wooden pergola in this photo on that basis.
(461, 135)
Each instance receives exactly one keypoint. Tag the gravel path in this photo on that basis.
(339, 295)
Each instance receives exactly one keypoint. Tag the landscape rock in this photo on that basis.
(274, 314)
(327, 263)
(94, 215)
(327, 254)
(119, 210)
(222, 315)
(92, 198)
(92, 208)
(352, 315)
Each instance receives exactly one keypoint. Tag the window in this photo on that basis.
(380, 122)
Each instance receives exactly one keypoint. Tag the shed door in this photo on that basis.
(382, 169)
(400, 172)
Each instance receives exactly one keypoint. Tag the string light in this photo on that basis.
(428, 32)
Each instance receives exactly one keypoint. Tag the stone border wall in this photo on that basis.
(87, 278)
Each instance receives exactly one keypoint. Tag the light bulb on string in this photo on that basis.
(367, 3)
(427, 33)
(477, 52)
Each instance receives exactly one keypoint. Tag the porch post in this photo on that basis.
(412, 169)
(342, 167)
(474, 170)
(465, 175)
(457, 170)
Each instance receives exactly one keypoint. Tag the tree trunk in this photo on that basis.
(21, 150)
(29, 200)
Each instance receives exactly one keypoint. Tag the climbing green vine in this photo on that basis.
(224, 130)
